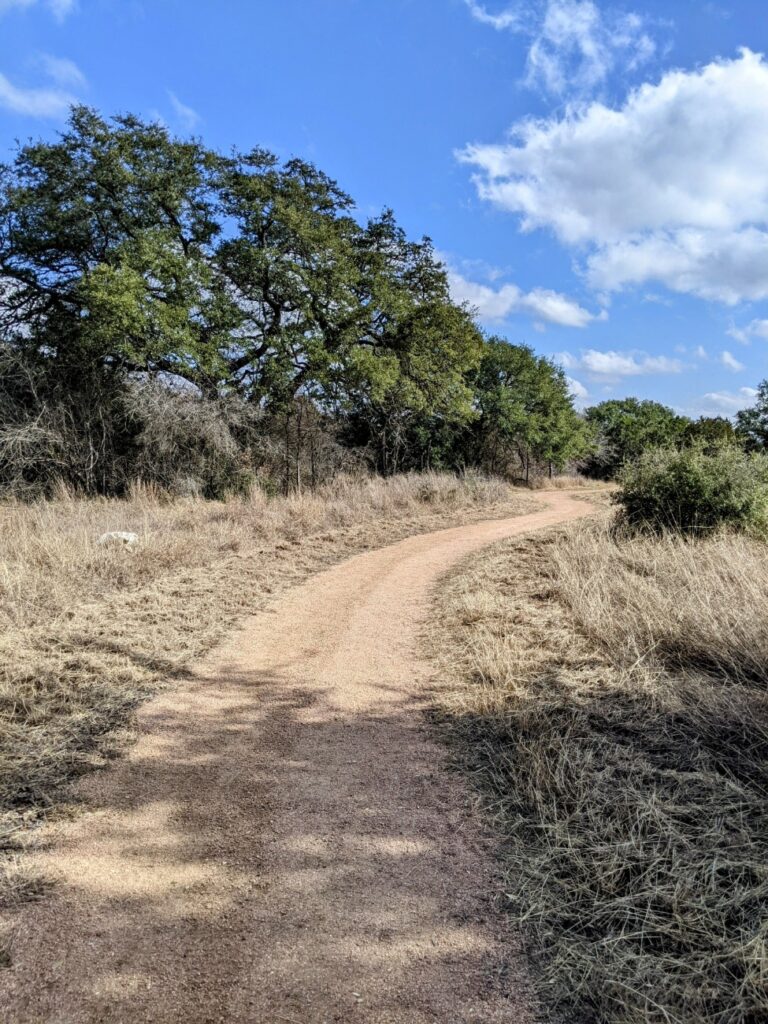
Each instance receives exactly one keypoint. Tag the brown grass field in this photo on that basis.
(88, 632)
(608, 697)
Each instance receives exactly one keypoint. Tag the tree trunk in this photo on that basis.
(298, 448)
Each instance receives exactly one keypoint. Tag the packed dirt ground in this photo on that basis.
(281, 843)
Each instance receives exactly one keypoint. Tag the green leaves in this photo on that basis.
(526, 411)
(752, 424)
(126, 252)
(628, 427)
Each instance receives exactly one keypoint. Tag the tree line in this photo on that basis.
(624, 429)
(172, 313)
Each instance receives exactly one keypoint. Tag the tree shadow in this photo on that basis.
(264, 855)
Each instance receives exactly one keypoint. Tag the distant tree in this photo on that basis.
(711, 431)
(752, 423)
(525, 412)
(414, 350)
(627, 427)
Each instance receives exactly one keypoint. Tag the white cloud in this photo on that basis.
(577, 389)
(700, 352)
(574, 45)
(497, 304)
(556, 308)
(60, 9)
(186, 115)
(730, 362)
(670, 187)
(511, 18)
(730, 401)
(578, 46)
(43, 102)
(61, 70)
(725, 266)
(618, 364)
(755, 329)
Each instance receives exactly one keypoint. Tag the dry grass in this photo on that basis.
(609, 697)
(88, 632)
(567, 482)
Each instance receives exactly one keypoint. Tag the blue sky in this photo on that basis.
(595, 176)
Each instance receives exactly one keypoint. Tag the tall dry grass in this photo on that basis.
(681, 605)
(609, 697)
(87, 632)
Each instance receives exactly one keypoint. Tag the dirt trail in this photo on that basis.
(282, 844)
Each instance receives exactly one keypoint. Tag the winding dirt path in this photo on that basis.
(282, 844)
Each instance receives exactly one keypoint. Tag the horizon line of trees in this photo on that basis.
(197, 319)
(624, 429)
(181, 315)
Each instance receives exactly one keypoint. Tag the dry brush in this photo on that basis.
(609, 697)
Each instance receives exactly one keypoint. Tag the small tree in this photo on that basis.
(526, 416)
(710, 430)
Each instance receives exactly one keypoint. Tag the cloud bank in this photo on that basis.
(671, 187)
(612, 365)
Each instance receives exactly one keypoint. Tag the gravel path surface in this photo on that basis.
(282, 843)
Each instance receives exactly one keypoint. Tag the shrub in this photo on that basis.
(695, 490)
(190, 445)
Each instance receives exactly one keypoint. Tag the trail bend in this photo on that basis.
(282, 842)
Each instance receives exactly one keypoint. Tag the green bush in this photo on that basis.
(696, 490)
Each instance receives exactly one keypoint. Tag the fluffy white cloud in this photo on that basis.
(574, 45)
(730, 362)
(730, 401)
(755, 329)
(618, 364)
(671, 187)
(496, 304)
(725, 266)
(188, 117)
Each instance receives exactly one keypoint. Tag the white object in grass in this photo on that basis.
(120, 538)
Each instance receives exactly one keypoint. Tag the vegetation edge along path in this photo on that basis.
(281, 842)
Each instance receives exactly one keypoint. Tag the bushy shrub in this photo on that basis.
(98, 431)
(190, 445)
(61, 425)
(696, 490)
